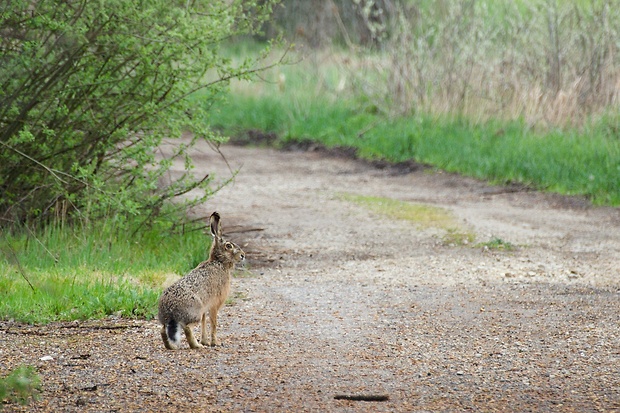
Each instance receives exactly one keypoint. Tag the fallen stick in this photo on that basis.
(363, 397)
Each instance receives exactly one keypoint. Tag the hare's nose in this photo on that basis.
(242, 256)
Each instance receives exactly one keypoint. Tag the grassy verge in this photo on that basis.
(68, 273)
(583, 161)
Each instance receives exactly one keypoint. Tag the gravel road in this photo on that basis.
(342, 309)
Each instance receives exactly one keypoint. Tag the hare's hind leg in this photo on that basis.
(190, 337)
(164, 338)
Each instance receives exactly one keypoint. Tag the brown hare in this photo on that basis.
(202, 290)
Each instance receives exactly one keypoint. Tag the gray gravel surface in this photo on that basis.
(339, 303)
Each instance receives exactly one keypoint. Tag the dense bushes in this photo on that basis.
(88, 90)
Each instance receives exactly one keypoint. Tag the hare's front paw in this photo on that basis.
(213, 343)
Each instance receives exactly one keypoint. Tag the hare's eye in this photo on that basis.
(228, 246)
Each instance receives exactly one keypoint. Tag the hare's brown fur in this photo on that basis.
(202, 290)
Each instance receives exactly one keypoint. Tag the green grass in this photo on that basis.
(582, 161)
(91, 271)
(423, 215)
(426, 216)
(497, 244)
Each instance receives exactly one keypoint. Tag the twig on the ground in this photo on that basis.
(363, 397)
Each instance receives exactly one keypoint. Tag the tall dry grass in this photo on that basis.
(548, 62)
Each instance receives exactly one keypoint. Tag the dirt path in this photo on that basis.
(341, 301)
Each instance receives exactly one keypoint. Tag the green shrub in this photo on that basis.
(88, 92)
(19, 386)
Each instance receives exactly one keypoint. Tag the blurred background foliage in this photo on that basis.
(551, 62)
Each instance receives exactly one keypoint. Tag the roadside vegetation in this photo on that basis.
(580, 161)
(93, 270)
(96, 184)
(521, 92)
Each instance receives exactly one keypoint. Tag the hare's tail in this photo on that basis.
(171, 335)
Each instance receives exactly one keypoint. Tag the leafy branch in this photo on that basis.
(89, 90)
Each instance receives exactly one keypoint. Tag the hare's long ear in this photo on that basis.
(216, 229)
